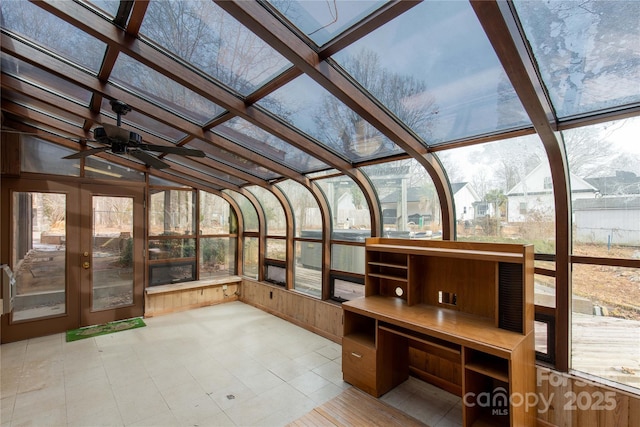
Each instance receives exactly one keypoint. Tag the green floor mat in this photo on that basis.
(107, 328)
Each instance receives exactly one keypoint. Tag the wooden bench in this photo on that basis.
(163, 299)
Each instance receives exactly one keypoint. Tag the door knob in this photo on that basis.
(85, 265)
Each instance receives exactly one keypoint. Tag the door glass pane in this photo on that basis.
(112, 260)
(39, 253)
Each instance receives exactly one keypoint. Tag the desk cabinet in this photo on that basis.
(470, 304)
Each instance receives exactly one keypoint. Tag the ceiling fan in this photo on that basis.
(122, 141)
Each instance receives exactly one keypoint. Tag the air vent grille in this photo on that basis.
(511, 297)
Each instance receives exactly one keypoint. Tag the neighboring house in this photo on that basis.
(534, 194)
(419, 205)
(611, 220)
(465, 198)
(623, 183)
(613, 217)
(483, 209)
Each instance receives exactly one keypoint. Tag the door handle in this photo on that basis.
(85, 265)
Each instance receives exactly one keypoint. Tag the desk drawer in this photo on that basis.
(359, 365)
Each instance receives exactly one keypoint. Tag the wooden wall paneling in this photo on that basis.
(321, 317)
(634, 409)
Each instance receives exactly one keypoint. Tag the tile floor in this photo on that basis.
(226, 365)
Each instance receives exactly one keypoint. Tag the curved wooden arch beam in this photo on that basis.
(290, 233)
(262, 228)
(502, 27)
(240, 230)
(325, 212)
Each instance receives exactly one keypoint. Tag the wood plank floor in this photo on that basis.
(356, 408)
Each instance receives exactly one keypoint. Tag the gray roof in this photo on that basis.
(605, 203)
(621, 183)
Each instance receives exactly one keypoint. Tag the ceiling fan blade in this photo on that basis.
(116, 132)
(183, 151)
(148, 159)
(85, 153)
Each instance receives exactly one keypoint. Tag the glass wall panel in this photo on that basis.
(604, 161)
(171, 213)
(306, 212)
(583, 51)
(350, 216)
(215, 215)
(273, 211)
(39, 254)
(171, 248)
(605, 322)
(408, 199)
(545, 290)
(112, 252)
(347, 290)
(348, 258)
(217, 257)
(451, 86)
(503, 192)
(307, 271)
(250, 257)
(277, 249)
(37, 156)
(249, 214)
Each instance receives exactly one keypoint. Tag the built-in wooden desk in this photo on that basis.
(418, 294)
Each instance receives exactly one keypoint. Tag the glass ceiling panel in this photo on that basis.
(434, 68)
(260, 141)
(199, 167)
(309, 107)
(44, 80)
(197, 182)
(240, 163)
(587, 52)
(41, 107)
(203, 35)
(51, 32)
(321, 21)
(109, 7)
(155, 180)
(144, 122)
(168, 93)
